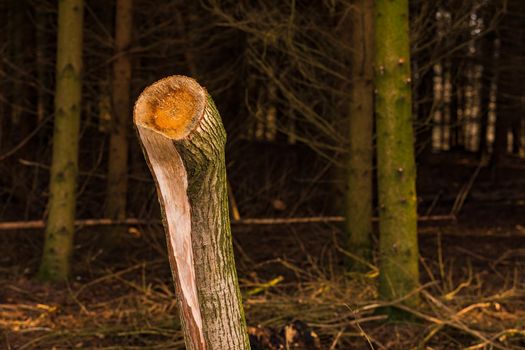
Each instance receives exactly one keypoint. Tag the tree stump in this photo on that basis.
(183, 139)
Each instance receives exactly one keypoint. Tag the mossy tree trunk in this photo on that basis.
(118, 145)
(358, 197)
(399, 273)
(183, 139)
(60, 223)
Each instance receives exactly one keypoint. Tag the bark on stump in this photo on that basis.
(183, 140)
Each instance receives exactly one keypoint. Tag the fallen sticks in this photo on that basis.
(40, 224)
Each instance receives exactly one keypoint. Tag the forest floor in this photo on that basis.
(293, 280)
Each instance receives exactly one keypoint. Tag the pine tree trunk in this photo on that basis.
(501, 133)
(183, 140)
(485, 56)
(425, 113)
(3, 86)
(510, 78)
(118, 145)
(106, 16)
(361, 118)
(60, 223)
(516, 136)
(399, 274)
(16, 28)
(41, 41)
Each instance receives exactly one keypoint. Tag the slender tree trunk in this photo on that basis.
(516, 136)
(3, 86)
(106, 16)
(183, 139)
(60, 224)
(511, 76)
(118, 145)
(453, 104)
(399, 274)
(41, 42)
(501, 133)
(16, 59)
(425, 113)
(485, 57)
(361, 122)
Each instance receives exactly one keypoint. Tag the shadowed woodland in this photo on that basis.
(375, 161)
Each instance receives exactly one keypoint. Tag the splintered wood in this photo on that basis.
(163, 113)
(172, 182)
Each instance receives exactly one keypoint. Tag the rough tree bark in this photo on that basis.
(358, 197)
(183, 140)
(118, 145)
(487, 59)
(3, 86)
(399, 274)
(60, 223)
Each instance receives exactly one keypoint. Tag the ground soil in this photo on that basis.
(473, 278)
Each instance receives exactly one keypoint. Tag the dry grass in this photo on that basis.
(132, 306)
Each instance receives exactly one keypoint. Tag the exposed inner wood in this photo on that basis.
(172, 107)
(171, 179)
(167, 111)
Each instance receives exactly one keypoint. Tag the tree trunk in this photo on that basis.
(3, 86)
(501, 134)
(183, 140)
(453, 104)
(516, 136)
(425, 113)
(106, 15)
(399, 274)
(41, 66)
(486, 58)
(511, 76)
(60, 224)
(16, 95)
(358, 197)
(118, 144)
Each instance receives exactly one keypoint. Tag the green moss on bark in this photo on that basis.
(399, 272)
(58, 245)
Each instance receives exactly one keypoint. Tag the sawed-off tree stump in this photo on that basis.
(183, 141)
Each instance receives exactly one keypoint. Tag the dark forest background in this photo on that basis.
(280, 75)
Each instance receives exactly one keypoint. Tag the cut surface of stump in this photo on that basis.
(172, 107)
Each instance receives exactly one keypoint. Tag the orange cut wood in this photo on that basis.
(173, 108)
